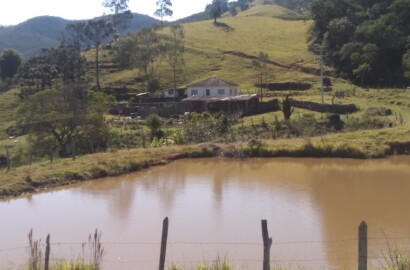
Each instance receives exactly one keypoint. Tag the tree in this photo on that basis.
(232, 9)
(406, 65)
(67, 115)
(154, 122)
(76, 33)
(175, 52)
(10, 61)
(37, 74)
(120, 14)
(286, 108)
(56, 67)
(147, 53)
(96, 31)
(163, 10)
(217, 8)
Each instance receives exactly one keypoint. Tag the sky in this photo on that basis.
(13, 12)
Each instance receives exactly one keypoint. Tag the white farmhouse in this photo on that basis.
(212, 87)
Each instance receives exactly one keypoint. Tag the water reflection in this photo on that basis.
(313, 206)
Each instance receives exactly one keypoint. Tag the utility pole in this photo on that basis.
(321, 73)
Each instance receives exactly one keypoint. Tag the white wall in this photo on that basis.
(213, 91)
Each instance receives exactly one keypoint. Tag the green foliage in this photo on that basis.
(72, 266)
(154, 122)
(287, 108)
(146, 50)
(120, 14)
(364, 122)
(10, 61)
(56, 67)
(69, 115)
(277, 123)
(203, 127)
(396, 261)
(163, 9)
(406, 64)
(217, 8)
(363, 40)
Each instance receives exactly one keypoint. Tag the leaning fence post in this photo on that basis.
(47, 257)
(267, 243)
(363, 246)
(163, 244)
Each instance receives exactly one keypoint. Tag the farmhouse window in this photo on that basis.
(221, 91)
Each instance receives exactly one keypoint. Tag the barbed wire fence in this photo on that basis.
(265, 246)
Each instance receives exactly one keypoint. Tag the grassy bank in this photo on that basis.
(64, 171)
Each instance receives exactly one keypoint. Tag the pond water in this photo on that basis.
(215, 208)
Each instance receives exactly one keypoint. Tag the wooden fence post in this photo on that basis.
(47, 256)
(267, 243)
(163, 244)
(363, 246)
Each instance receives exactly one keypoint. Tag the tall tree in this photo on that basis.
(163, 9)
(76, 33)
(97, 31)
(10, 61)
(215, 9)
(120, 14)
(175, 52)
(149, 51)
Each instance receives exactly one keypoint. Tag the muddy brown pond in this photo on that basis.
(215, 208)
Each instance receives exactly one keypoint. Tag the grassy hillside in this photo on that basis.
(226, 50)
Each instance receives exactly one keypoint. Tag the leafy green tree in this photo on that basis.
(97, 31)
(120, 14)
(364, 61)
(123, 52)
(68, 114)
(163, 9)
(10, 61)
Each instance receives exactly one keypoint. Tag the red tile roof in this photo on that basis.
(213, 82)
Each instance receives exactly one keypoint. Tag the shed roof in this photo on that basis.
(213, 82)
